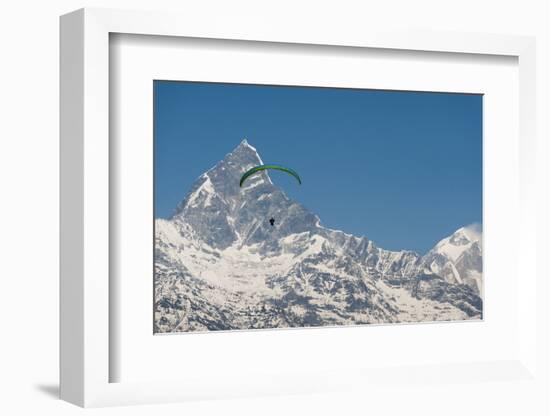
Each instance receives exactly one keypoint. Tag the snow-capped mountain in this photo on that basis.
(457, 258)
(219, 264)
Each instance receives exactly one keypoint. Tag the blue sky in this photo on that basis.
(401, 168)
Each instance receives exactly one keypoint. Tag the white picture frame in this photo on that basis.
(85, 354)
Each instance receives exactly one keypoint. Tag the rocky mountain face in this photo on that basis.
(220, 265)
(457, 258)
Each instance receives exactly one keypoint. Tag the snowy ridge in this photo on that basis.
(458, 258)
(219, 264)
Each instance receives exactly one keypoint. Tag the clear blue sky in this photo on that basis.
(402, 168)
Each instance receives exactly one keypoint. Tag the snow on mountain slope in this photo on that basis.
(219, 264)
(454, 245)
(458, 258)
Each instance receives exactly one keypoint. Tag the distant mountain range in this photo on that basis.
(220, 265)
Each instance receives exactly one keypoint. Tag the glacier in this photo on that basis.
(220, 265)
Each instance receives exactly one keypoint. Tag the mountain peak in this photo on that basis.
(470, 232)
(246, 153)
(464, 236)
(462, 240)
(245, 145)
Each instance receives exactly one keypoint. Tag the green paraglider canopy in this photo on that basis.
(260, 168)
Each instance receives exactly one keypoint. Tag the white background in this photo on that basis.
(143, 357)
(29, 224)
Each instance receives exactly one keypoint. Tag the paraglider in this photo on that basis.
(260, 168)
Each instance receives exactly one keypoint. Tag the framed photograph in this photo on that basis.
(241, 243)
(271, 211)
